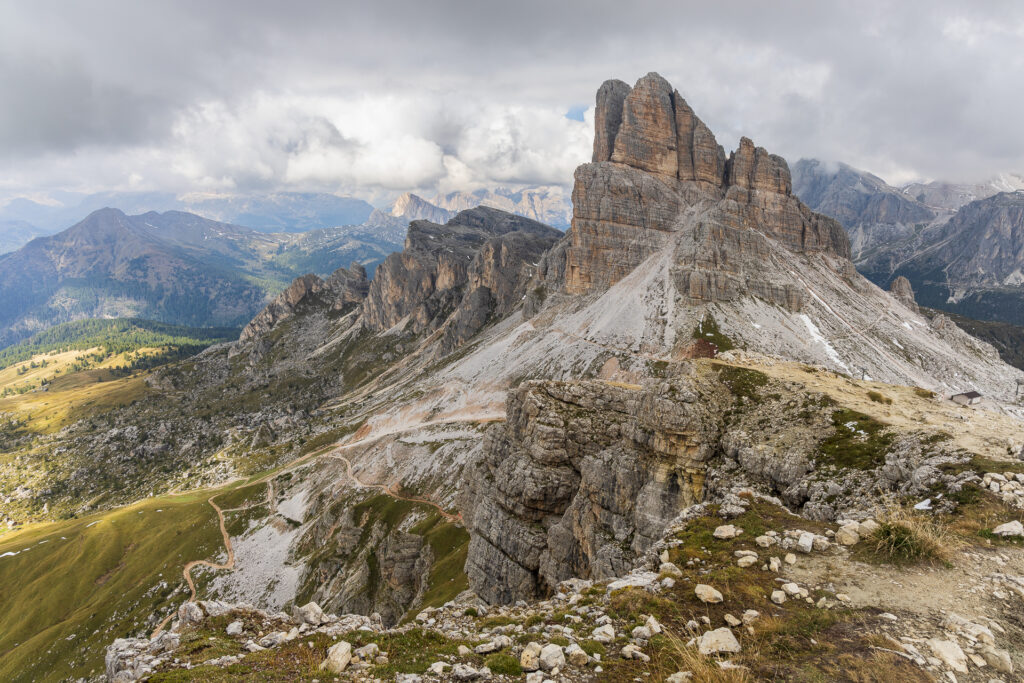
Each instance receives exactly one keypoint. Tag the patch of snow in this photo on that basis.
(818, 338)
(925, 504)
(10, 553)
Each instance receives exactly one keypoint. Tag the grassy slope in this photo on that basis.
(95, 586)
(72, 397)
(84, 582)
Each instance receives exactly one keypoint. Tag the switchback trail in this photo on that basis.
(389, 490)
(272, 503)
(187, 570)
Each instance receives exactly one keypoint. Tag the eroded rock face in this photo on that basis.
(302, 289)
(341, 291)
(580, 478)
(456, 275)
(903, 292)
(658, 169)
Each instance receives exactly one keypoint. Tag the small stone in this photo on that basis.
(727, 531)
(631, 651)
(842, 597)
(310, 613)
(707, 594)
(731, 620)
(464, 672)
(604, 634)
(778, 597)
(774, 564)
(765, 541)
(790, 558)
(552, 657)
(719, 640)
(576, 655)
(464, 651)
(438, 668)
(535, 677)
(234, 628)
(652, 624)
(680, 677)
(950, 654)
(791, 589)
(530, 659)
(1010, 529)
(847, 536)
(641, 633)
(670, 569)
(746, 561)
(338, 657)
(750, 616)
(867, 527)
(805, 543)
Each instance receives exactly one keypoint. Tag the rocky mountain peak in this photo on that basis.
(658, 176)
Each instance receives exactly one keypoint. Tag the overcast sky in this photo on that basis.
(373, 98)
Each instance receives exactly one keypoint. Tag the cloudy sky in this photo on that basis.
(376, 98)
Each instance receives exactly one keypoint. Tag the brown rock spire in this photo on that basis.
(647, 137)
(903, 292)
(611, 97)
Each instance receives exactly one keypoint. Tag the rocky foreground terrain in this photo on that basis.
(685, 440)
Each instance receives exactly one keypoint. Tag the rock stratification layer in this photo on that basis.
(581, 478)
(456, 275)
(657, 170)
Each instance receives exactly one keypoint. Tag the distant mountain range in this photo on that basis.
(961, 246)
(273, 212)
(174, 267)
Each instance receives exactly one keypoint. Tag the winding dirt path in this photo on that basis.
(272, 502)
(187, 570)
(390, 490)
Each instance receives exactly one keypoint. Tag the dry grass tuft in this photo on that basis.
(704, 669)
(905, 537)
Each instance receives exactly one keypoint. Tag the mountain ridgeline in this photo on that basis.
(174, 267)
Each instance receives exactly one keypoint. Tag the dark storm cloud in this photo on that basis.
(386, 95)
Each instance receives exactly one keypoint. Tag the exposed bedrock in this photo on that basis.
(581, 477)
(656, 166)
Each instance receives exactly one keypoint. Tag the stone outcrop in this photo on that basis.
(341, 291)
(456, 276)
(580, 478)
(658, 171)
(872, 211)
(903, 292)
(284, 306)
(584, 476)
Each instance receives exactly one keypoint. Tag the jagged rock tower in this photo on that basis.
(656, 167)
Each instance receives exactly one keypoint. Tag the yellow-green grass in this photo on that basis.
(60, 362)
(84, 582)
(72, 397)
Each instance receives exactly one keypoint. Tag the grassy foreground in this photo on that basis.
(76, 585)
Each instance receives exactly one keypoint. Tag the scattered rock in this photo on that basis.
(552, 657)
(1010, 529)
(719, 640)
(338, 657)
(530, 658)
(234, 628)
(727, 531)
(707, 594)
(950, 654)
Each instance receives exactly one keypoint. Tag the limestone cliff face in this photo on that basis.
(456, 275)
(343, 289)
(657, 169)
(580, 478)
